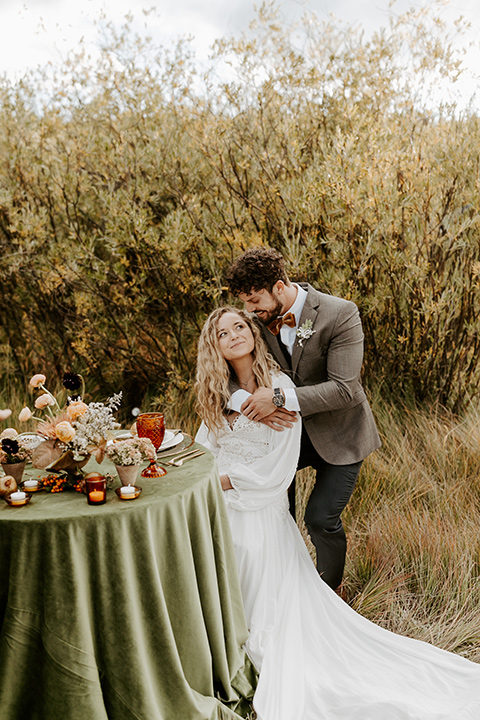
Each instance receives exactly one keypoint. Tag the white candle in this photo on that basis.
(18, 498)
(30, 484)
(127, 490)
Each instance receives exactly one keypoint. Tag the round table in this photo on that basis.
(129, 610)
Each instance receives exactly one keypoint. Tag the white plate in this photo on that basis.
(30, 439)
(123, 436)
(170, 440)
(167, 438)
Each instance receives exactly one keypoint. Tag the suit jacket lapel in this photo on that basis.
(275, 349)
(309, 312)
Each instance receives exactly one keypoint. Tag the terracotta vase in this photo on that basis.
(16, 470)
(127, 473)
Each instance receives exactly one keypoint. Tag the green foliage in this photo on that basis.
(128, 184)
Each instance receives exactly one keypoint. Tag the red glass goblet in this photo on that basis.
(152, 425)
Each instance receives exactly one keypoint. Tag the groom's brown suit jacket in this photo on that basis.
(326, 371)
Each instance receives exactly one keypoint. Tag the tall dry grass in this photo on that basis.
(413, 563)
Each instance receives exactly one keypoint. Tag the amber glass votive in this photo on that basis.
(96, 489)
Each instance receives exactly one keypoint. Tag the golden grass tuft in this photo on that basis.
(413, 563)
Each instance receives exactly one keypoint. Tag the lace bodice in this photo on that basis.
(244, 441)
(260, 461)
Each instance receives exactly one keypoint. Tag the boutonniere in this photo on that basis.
(305, 332)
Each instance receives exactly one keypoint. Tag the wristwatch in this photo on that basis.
(278, 399)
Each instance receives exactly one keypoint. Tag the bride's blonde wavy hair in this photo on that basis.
(214, 373)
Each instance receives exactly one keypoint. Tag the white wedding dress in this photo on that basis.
(318, 659)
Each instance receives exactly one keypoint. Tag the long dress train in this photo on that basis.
(319, 659)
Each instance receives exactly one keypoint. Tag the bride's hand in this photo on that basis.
(225, 482)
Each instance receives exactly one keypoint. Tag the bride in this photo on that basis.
(317, 658)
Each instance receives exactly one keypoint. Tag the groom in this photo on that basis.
(317, 339)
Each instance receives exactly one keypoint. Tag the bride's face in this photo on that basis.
(235, 338)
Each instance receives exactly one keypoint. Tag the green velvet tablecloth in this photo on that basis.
(128, 611)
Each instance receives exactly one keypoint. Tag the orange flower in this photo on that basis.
(75, 409)
(37, 380)
(65, 432)
(4, 414)
(43, 401)
(25, 414)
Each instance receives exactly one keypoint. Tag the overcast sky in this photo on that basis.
(34, 32)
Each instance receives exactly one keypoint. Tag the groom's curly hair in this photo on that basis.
(257, 269)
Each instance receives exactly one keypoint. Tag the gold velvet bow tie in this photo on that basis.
(288, 319)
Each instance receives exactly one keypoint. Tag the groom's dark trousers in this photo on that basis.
(332, 490)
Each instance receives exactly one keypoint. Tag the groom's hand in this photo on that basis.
(280, 419)
(260, 407)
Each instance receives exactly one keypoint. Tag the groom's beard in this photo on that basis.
(270, 315)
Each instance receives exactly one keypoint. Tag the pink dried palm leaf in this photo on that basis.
(46, 453)
(47, 427)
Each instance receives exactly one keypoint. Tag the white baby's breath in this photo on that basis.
(93, 426)
(131, 451)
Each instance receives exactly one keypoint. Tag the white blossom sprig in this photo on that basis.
(131, 451)
(93, 425)
(305, 331)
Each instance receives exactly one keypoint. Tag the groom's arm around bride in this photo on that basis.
(318, 340)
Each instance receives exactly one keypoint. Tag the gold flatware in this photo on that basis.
(173, 453)
(185, 444)
(176, 455)
(186, 452)
(178, 462)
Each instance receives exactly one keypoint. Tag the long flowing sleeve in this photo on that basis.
(207, 439)
(259, 461)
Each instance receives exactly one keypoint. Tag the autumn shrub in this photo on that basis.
(129, 183)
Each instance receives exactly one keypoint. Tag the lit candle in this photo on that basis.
(127, 491)
(96, 486)
(18, 498)
(30, 484)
